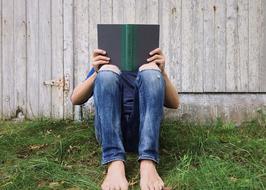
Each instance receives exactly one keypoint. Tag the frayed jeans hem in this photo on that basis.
(156, 160)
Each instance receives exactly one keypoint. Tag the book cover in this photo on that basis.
(128, 45)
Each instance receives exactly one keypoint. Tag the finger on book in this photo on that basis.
(100, 62)
(156, 51)
(98, 51)
(101, 57)
(154, 57)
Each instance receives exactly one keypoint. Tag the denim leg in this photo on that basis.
(130, 126)
(107, 99)
(151, 99)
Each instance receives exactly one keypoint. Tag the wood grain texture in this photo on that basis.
(164, 19)
(8, 65)
(106, 11)
(1, 65)
(254, 44)
(243, 28)
(33, 84)
(57, 57)
(117, 11)
(152, 11)
(20, 62)
(129, 11)
(198, 41)
(232, 50)
(45, 58)
(219, 9)
(263, 49)
(140, 12)
(68, 20)
(210, 46)
(187, 45)
(174, 57)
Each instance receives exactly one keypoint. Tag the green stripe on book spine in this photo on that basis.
(128, 55)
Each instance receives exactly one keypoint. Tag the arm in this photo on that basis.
(171, 99)
(83, 91)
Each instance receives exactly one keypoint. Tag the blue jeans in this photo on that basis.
(137, 132)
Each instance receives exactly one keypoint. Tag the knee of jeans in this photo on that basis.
(149, 66)
(113, 68)
(152, 77)
(107, 78)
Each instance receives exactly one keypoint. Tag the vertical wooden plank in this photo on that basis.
(164, 21)
(8, 58)
(187, 45)
(33, 83)
(232, 50)
(263, 48)
(209, 47)
(140, 11)
(57, 57)
(94, 19)
(118, 11)
(129, 11)
(81, 36)
(219, 9)
(174, 58)
(1, 73)
(243, 29)
(254, 44)
(198, 50)
(152, 11)
(106, 11)
(68, 55)
(170, 13)
(20, 55)
(45, 59)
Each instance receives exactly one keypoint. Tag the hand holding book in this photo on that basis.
(99, 58)
(128, 45)
(157, 57)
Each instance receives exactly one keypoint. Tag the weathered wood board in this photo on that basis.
(211, 46)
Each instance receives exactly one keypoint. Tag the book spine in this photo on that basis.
(128, 55)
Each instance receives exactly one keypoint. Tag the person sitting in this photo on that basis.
(128, 113)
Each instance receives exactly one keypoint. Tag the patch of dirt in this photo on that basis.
(29, 150)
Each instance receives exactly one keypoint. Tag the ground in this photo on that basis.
(54, 154)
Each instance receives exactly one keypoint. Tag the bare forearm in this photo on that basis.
(171, 94)
(83, 91)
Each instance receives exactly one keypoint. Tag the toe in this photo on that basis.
(104, 187)
(112, 188)
(158, 185)
(144, 187)
(152, 187)
(124, 187)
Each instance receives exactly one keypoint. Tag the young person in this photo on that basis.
(128, 113)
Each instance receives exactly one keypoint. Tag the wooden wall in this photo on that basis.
(212, 47)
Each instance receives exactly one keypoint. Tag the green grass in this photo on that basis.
(45, 154)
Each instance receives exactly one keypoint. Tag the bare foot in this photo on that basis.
(115, 178)
(149, 178)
